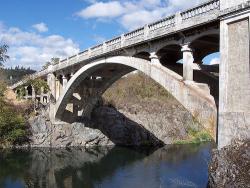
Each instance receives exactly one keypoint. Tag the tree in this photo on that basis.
(55, 60)
(3, 54)
(46, 65)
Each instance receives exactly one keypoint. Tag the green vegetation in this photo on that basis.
(55, 60)
(46, 65)
(38, 84)
(195, 136)
(3, 54)
(13, 129)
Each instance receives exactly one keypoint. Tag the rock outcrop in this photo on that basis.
(108, 127)
(151, 122)
(46, 134)
(168, 122)
(230, 166)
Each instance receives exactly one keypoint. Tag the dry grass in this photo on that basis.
(135, 89)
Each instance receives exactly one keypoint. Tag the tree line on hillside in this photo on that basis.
(11, 75)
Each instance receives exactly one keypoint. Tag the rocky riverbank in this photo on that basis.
(230, 166)
(135, 111)
(108, 126)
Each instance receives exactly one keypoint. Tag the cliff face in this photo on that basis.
(230, 166)
(109, 127)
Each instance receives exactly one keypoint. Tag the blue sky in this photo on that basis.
(37, 30)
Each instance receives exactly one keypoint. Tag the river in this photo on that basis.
(106, 167)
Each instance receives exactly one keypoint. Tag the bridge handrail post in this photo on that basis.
(178, 20)
(104, 47)
(89, 52)
(122, 40)
(146, 32)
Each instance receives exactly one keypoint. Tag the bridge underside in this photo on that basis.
(89, 91)
(88, 84)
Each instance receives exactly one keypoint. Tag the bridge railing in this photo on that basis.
(158, 28)
(201, 9)
(149, 32)
(133, 37)
(113, 44)
(163, 23)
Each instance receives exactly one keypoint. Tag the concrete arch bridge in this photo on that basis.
(210, 92)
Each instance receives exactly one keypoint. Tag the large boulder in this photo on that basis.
(230, 166)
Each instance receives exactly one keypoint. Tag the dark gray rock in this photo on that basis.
(122, 130)
(162, 124)
(230, 166)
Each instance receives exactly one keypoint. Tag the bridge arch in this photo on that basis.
(193, 97)
(204, 45)
(143, 55)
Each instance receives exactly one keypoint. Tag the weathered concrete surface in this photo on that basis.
(224, 4)
(230, 166)
(234, 108)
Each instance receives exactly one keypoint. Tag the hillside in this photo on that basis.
(13, 75)
(145, 102)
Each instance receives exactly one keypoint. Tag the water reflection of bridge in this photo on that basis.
(107, 166)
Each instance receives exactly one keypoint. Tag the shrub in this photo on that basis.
(3, 88)
(13, 129)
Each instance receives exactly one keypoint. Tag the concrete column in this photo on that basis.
(234, 79)
(57, 87)
(42, 95)
(155, 59)
(33, 94)
(187, 62)
(26, 92)
(51, 79)
(64, 81)
(61, 85)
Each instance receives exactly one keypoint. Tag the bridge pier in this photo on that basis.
(51, 81)
(234, 97)
(33, 96)
(64, 81)
(188, 60)
(57, 89)
(26, 92)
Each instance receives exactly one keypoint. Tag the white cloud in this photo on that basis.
(215, 61)
(30, 49)
(133, 14)
(140, 18)
(40, 27)
(100, 10)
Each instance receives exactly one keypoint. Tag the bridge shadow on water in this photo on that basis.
(169, 166)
